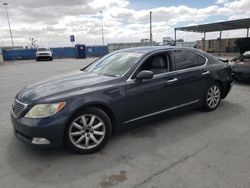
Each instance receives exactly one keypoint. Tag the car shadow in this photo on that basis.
(59, 166)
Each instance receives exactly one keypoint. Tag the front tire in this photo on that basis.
(212, 97)
(88, 131)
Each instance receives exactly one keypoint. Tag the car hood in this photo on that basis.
(243, 63)
(63, 86)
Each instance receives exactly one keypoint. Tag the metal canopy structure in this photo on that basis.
(218, 26)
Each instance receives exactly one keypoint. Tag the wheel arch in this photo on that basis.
(101, 106)
(222, 86)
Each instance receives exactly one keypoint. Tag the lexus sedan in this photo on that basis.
(81, 110)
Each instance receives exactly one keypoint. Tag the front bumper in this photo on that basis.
(44, 57)
(52, 129)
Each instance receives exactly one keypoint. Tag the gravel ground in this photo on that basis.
(193, 149)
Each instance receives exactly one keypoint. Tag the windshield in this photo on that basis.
(43, 49)
(114, 64)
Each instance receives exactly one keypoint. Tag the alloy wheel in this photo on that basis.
(213, 96)
(87, 131)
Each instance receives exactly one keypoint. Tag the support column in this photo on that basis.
(204, 41)
(247, 32)
(220, 42)
(175, 37)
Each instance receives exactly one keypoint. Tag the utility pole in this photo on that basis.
(151, 37)
(102, 29)
(5, 5)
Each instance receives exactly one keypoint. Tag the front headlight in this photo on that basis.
(44, 110)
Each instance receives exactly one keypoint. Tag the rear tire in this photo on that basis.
(88, 131)
(212, 97)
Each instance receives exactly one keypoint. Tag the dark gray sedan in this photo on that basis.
(241, 67)
(82, 109)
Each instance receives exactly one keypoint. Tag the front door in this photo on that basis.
(149, 97)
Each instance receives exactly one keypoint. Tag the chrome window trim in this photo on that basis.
(162, 111)
(165, 74)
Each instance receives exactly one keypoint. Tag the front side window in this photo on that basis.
(158, 64)
(186, 59)
(115, 64)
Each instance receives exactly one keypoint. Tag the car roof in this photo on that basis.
(150, 49)
(145, 49)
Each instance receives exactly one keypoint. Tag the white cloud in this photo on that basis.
(221, 1)
(99, 4)
(51, 22)
(177, 14)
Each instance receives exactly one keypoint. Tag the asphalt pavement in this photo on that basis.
(193, 149)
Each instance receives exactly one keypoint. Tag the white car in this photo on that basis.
(44, 54)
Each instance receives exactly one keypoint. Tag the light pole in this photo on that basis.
(102, 29)
(151, 36)
(5, 5)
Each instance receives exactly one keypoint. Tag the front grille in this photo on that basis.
(18, 108)
(43, 54)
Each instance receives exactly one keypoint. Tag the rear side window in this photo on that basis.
(186, 59)
(201, 60)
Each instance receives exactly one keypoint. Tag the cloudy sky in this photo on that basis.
(52, 21)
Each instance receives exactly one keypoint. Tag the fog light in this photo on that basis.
(40, 141)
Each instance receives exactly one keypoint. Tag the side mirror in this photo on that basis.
(145, 74)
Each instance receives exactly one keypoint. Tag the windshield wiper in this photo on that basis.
(110, 75)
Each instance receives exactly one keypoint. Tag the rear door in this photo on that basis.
(191, 75)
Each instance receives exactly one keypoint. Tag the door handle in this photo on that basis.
(206, 72)
(172, 80)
